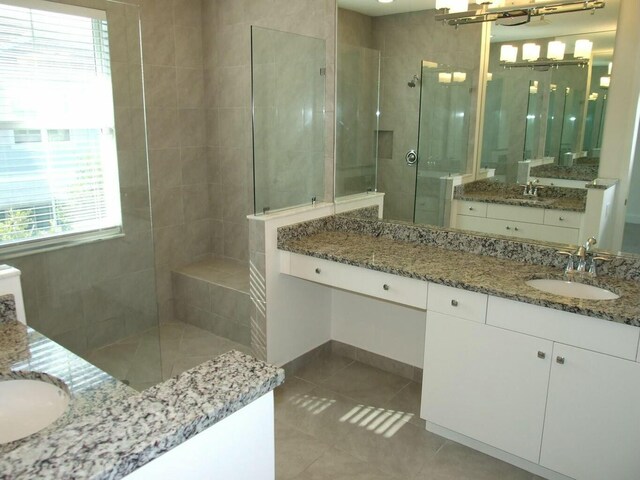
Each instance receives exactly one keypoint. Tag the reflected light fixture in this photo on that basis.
(610, 68)
(605, 82)
(508, 53)
(459, 77)
(583, 49)
(385, 1)
(555, 55)
(445, 77)
(555, 50)
(533, 89)
(458, 12)
(530, 52)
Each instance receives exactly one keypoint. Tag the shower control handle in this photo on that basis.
(411, 157)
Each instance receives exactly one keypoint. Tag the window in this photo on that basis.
(58, 160)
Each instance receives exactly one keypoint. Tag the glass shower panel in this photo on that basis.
(357, 119)
(98, 299)
(443, 144)
(554, 121)
(288, 86)
(533, 125)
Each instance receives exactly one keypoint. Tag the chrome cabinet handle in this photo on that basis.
(508, 227)
(560, 360)
(385, 286)
(541, 354)
(454, 303)
(318, 270)
(561, 219)
(471, 209)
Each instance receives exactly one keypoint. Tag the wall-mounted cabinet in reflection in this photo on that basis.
(288, 85)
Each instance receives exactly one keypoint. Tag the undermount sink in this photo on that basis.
(566, 288)
(28, 405)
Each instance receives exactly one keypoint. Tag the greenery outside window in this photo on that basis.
(58, 156)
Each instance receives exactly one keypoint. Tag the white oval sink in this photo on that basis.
(572, 289)
(27, 406)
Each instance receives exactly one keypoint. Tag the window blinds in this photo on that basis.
(58, 161)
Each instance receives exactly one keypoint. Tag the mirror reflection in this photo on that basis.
(505, 136)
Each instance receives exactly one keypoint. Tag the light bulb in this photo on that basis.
(459, 76)
(508, 53)
(530, 52)
(605, 82)
(444, 77)
(555, 50)
(610, 67)
(583, 49)
(489, 76)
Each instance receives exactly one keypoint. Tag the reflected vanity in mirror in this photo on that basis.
(508, 149)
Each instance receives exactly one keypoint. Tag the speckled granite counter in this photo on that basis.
(481, 264)
(109, 429)
(553, 198)
(575, 172)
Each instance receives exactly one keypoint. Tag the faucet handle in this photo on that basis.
(570, 268)
(592, 267)
(589, 243)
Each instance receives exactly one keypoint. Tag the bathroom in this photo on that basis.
(189, 279)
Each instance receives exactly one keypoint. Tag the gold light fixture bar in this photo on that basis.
(524, 12)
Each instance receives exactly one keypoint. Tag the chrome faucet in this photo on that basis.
(585, 258)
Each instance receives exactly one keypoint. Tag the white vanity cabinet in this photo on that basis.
(521, 222)
(486, 383)
(592, 423)
(556, 389)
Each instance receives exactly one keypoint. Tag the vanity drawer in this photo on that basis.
(473, 209)
(595, 334)
(511, 212)
(563, 218)
(522, 230)
(457, 303)
(386, 286)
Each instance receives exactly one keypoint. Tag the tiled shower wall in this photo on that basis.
(227, 68)
(405, 40)
(183, 220)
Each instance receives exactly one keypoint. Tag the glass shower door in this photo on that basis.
(443, 142)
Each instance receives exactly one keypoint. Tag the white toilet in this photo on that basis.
(10, 284)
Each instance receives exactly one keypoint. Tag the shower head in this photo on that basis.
(414, 81)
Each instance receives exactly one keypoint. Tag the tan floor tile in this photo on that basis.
(295, 451)
(457, 462)
(365, 384)
(408, 400)
(337, 465)
(323, 367)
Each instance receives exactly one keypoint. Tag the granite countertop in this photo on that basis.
(574, 172)
(549, 197)
(110, 430)
(462, 269)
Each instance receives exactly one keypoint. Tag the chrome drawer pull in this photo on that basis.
(318, 270)
(454, 303)
(541, 354)
(560, 360)
(385, 286)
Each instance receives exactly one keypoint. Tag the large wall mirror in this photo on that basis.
(491, 128)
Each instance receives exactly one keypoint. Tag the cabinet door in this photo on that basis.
(486, 383)
(592, 425)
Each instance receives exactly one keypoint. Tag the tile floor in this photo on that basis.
(336, 418)
(340, 419)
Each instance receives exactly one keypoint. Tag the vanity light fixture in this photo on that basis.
(593, 97)
(458, 12)
(610, 68)
(555, 55)
(605, 82)
(385, 1)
